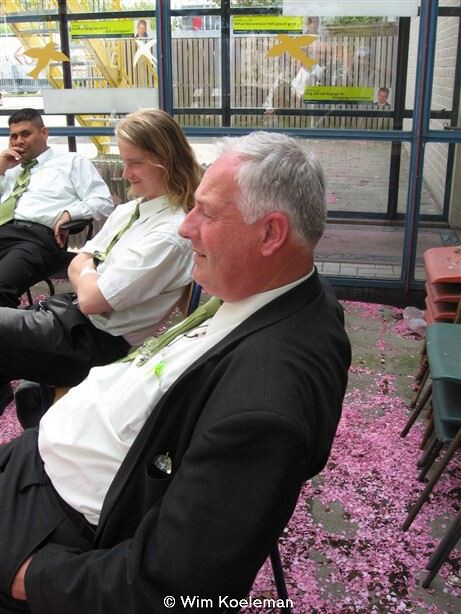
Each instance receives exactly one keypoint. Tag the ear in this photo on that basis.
(44, 132)
(275, 231)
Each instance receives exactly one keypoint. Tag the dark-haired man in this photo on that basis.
(40, 190)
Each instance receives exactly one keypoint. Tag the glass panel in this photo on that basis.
(23, 74)
(443, 89)
(335, 72)
(361, 251)
(104, 6)
(357, 174)
(433, 186)
(114, 53)
(194, 120)
(205, 149)
(196, 65)
(434, 179)
(238, 4)
(28, 7)
(195, 4)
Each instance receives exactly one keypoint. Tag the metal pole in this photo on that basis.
(164, 55)
(421, 118)
(66, 66)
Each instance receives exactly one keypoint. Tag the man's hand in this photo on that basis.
(9, 158)
(18, 589)
(60, 236)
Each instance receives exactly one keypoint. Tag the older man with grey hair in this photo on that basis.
(166, 479)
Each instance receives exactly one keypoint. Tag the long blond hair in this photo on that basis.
(155, 131)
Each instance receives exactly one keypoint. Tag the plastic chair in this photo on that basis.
(446, 430)
(443, 301)
(190, 298)
(443, 351)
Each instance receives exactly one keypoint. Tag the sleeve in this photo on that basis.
(93, 196)
(145, 269)
(212, 530)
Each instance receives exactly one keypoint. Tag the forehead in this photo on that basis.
(219, 181)
(26, 126)
(128, 151)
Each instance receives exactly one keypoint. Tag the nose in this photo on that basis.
(126, 173)
(189, 227)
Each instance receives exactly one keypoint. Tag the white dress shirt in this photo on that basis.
(85, 436)
(145, 272)
(59, 182)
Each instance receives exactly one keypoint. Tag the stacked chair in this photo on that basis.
(440, 386)
(443, 304)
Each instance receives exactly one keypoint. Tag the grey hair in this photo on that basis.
(278, 174)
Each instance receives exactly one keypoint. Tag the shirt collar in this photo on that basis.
(154, 206)
(45, 155)
(231, 314)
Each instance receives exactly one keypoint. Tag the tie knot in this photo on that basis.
(29, 163)
(210, 307)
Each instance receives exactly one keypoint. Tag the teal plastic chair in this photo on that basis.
(443, 345)
(446, 401)
(446, 419)
(443, 350)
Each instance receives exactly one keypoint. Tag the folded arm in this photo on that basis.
(84, 278)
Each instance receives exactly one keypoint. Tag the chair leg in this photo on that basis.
(50, 285)
(279, 578)
(30, 300)
(441, 466)
(430, 453)
(428, 430)
(428, 459)
(424, 377)
(442, 552)
(416, 411)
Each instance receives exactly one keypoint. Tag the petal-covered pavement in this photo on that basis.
(344, 551)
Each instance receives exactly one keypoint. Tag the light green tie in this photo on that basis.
(8, 206)
(154, 344)
(101, 256)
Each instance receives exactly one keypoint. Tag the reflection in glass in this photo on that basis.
(316, 65)
(196, 53)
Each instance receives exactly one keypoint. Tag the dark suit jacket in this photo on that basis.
(245, 426)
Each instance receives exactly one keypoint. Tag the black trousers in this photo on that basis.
(28, 254)
(53, 343)
(31, 514)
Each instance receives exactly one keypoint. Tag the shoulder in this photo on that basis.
(288, 341)
(161, 217)
(77, 162)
